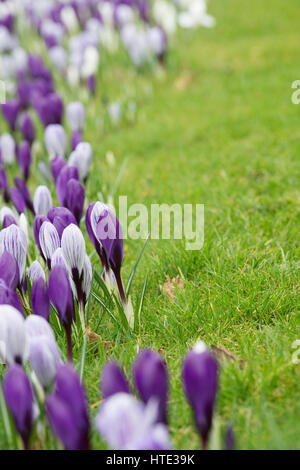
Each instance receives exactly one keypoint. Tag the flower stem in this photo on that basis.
(69, 343)
(120, 286)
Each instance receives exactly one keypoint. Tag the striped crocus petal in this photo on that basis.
(35, 272)
(13, 338)
(73, 248)
(42, 200)
(14, 240)
(55, 140)
(49, 241)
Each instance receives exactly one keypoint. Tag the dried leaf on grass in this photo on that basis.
(95, 339)
(222, 354)
(170, 285)
(183, 81)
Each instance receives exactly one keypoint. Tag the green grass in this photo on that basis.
(228, 138)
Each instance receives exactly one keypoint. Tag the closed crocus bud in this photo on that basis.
(200, 380)
(22, 187)
(49, 241)
(66, 174)
(9, 270)
(40, 299)
(55, 140)
(8, 296)
(67, 410)
(36, 272)
(10, 111)
(24, 158)
(4, 181)
(44, 358)
(38, 222)
(17, 200)
(13, 239)
(74, 198)
(151, 379)
(42, 200)
(13, 339)
(113, 380)
(91, 84)
(49, 108)
(126, 424)
(61, 297)
(7, 149)
(58, 57)
(81, 158)
(75, 114)
(76, 138)
(28, 129)
(19, 399)
(57, 164)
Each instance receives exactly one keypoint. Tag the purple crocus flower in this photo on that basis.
(76, 138)
(151, 379)
(13, 239)
(38, 222)
(113, 380)
(61, 297)
(10, 111)
(67, 410)
(61, 217)
(49, 108)
(57, 164)
(81, 157)
(35, 272)
(8, 296)
(28, 129)
(9, 270)
(8, 220)
(40, 298)
(4, 183)
(22, 187)
(42, 200)
(24, 158)
(48, 240)
(17, 200)
(66, 174)
(74, 198)
(200, 380)
(91, 84)
(19, 399)
(55, 140)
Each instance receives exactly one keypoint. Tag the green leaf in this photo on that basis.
(131, 276)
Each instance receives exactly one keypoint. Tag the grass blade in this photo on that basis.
(131, 276)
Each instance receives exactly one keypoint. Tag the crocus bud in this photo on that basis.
(126, 424)
(61, 297)
(19, 399)
(57, 164)
(38, 222)
(81, 158)
(10, 111)
(6, 211)
(151, 379)
(49, 108)
(13, 339)
(75, 114)
(24, 158)
(28, 129)
(200, 380)
(67, 410)
(76, 138)
(66, 174)
(4, 181)
(58, 57)
(17, 200)
(36, 272)
(13, 239)
(113, 380)
(22, 187)
(42, 200)
(61, 217)
(49, 241)
(8, 296)
(7, 149)
(9, 270)
(91, 84)
(55, 140)
(40, 299)
(74, 198)
(9, 220)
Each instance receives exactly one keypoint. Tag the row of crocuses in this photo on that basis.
(39, 383)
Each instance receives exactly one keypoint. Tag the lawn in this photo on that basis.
(216, 127)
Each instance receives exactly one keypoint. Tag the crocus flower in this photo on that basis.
(19, 399)
(13, 339)
(8, 220)
(40, 299)
(113, 380)
(61, 297)
(66, 174)
(49, 241)
(76, 138)
(151, 379)
(4, 182)
(58, 258)
(81, 158)
(17, 199)
(200, 380)
(36, 272)
(75, 115)
(38, 222)
(61, 217)
(7, 149)
(91, 84)
(127, 424)
(8, 296)
(67, 410)
(13, 239)
(24, 158)
(42, 200)
(28, 129)
(9, 270)
(57, 164)
(74, 198)
(22, 187)
(55, 140)
(49, 108)
(10, 111)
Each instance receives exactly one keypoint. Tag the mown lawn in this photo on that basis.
(217, 127)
